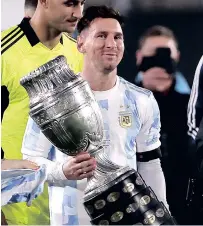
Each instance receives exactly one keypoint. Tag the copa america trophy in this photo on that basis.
(63, 106)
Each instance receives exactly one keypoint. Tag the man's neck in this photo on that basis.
(47, 36)
(99, 81)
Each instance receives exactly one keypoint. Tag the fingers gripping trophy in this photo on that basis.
(63, 106)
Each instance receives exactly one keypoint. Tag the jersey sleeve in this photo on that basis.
(148, 137)
(34, 142)
(195, 105)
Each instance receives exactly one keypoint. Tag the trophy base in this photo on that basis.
(128, 201)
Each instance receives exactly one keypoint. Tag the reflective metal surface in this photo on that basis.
(63, 106)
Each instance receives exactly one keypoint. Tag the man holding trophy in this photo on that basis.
(109, 139)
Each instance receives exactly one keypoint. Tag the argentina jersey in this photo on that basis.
(131, 121)
(131, 124)
(21, 185)
(65, 197)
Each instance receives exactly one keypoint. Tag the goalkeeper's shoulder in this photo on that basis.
(69, 41)
(71, 45)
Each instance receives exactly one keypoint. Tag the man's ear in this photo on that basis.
(80, 44)
(44, 3)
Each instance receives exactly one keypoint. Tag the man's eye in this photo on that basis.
(69, 4)
(118, 37)
(74, 3)
(83, 2)
(102, 36)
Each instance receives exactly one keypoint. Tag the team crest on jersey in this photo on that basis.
(125, 119)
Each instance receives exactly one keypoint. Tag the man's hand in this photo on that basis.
(157, 79)
(18, 164)
(80, 167)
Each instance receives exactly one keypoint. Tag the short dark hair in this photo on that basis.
(94, 12)
(157, 30)
(31, 4)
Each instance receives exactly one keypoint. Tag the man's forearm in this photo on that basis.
(153, 176)
(55, 173)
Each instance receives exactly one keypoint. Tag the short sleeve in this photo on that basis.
(148, 137)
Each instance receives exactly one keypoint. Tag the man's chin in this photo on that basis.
(70, 30)
(109, 68)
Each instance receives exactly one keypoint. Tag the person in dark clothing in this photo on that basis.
(195, 131)
(199, 157)
(195, 115)
(199, 144)
(157, 59)
(195, 106)
(195, 185)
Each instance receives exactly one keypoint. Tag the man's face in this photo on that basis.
(63, 15)
(157, 78)
(102, 44)
(152, 43)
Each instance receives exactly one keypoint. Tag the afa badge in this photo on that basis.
(125, 119)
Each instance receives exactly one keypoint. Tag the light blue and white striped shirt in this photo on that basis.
(21, 185)
(131, 124)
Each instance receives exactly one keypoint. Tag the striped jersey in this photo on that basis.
(21, 185)
(131, 124)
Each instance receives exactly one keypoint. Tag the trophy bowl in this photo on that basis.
(64, 107)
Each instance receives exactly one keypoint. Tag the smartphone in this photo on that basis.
(162, 59)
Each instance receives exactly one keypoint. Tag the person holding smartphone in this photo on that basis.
(157, 60)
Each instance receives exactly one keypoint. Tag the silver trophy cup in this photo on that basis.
(63, 106)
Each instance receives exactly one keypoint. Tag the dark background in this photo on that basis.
(188, 28)
(185, 18)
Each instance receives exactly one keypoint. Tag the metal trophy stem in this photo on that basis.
(63, 106)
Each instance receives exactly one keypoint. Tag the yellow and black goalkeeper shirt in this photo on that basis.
(21, 53)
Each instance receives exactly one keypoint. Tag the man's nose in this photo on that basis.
(110, 42)
(78, 10)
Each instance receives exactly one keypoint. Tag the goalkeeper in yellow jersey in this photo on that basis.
(24, 48)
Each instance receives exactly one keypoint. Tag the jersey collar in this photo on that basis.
(30, 33)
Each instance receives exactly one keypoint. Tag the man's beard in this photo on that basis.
(108, 69)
